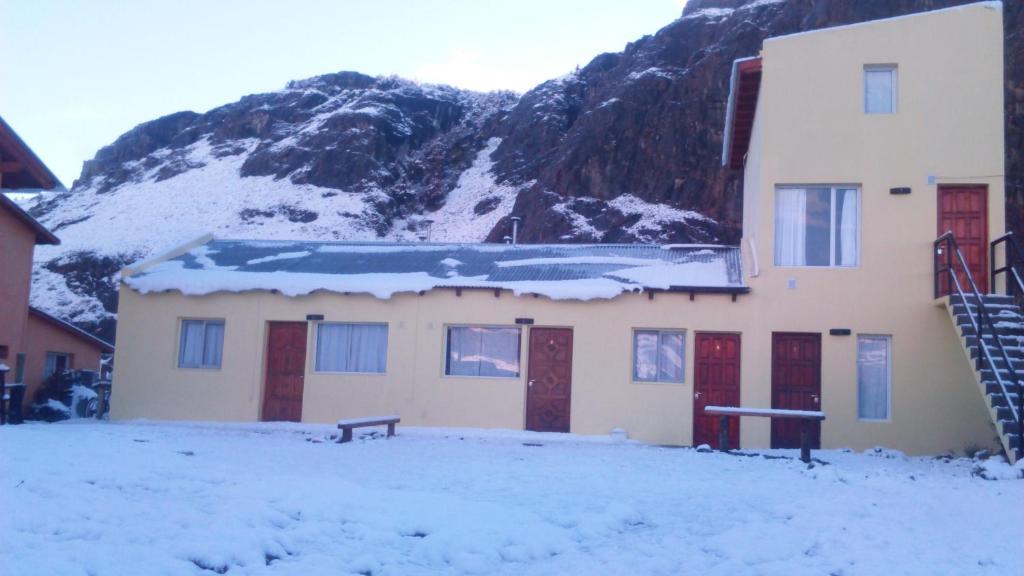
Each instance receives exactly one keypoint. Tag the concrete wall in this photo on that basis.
(936, 408)
(16, 245)
(810, 129)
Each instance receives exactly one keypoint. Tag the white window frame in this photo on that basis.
(181, 336)
(888, 377)
(447, 355)
(833, 189)
(632, 365)
(68, 361)
(316, 349)
(893, 70)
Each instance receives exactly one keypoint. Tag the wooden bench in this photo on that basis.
(346, 426)
(805, 416)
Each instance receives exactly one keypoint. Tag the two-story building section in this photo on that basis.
(860, 145)
(33, 343)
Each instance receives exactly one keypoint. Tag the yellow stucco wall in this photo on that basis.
(810, 129)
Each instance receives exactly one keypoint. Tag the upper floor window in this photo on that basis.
(344, 347)
(880, 89)
(202, 344)
(817, 226)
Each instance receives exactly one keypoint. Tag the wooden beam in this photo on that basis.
(11, 166)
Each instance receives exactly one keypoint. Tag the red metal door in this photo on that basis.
(716, 382)
(796, 385)
(963, 209)
(286, 369)
(549, 380)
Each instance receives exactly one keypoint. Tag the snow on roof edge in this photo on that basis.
(720, 274)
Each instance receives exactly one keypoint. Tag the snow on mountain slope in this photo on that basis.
(152, 216)
(624, 149)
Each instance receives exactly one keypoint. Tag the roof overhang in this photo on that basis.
(75, 331)
(43, 235)
(744, 87)
(20, 166)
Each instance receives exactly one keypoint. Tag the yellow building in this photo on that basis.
(860, 146)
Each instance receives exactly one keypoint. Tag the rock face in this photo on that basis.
(625, 149)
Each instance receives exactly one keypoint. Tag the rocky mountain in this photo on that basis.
(625, 149)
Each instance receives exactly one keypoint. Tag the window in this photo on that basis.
(658, 355)
(56, 363)
(874, 372)
(880, 89)
(817, 226)
(4, 352)
(343, 347)
(482, 351)
(202, 343)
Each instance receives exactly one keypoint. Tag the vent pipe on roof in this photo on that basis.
(515, 229)
(507, 239)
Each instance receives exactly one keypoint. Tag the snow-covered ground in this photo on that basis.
(99, 499)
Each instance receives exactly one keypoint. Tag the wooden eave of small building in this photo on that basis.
(744, 87)
(20, 167)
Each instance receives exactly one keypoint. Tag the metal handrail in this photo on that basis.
(979, 323)
(1013, 261)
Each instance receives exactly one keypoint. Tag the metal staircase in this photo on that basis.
(991, 328)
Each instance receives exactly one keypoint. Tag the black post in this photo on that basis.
(3, 395)
(723, 433)
(805, 440)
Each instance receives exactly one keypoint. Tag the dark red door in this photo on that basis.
(964, 211)
(286, 369)
(796, 384)
(549, 380)
(716, 382)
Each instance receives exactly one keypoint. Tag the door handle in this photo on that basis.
(816, 399)
(696, 395)
(529, 383)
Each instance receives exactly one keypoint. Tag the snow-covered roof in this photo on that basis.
(558, 271)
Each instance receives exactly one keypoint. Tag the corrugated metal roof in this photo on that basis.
(524, 267)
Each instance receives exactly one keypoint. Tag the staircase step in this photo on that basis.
(988, 376)
(1000, 364)
(1009, 426)
(1014, 353)
(1003, 413)
(1000, 402)
(992, 387)
(1008, 341)
(1000, 320)
(997, 298)
(1017, 330)
(991, 308)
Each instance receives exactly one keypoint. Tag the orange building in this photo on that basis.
(33, 343)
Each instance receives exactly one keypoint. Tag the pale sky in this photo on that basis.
(77, 74)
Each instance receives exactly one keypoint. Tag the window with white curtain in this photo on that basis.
(874, 377)
(880, 89)
(347, 347)
(817, 226)
(658, 355)
(201, 344)
(482, 351)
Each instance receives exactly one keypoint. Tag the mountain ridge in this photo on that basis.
(625, 149)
